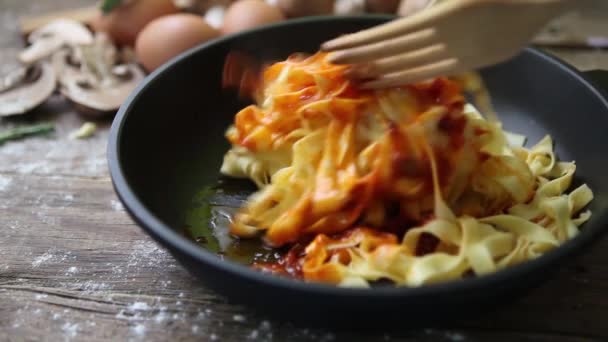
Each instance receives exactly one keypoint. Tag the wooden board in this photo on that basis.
(84, 15)
(73, 266)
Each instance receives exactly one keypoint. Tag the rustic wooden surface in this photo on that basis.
(73, 266)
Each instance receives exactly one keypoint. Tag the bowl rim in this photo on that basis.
(152, 224)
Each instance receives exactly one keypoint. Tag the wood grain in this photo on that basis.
(73, 266)
(30, 23)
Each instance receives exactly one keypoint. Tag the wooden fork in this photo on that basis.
(448, 38)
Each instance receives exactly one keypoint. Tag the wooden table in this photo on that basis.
(73, 266)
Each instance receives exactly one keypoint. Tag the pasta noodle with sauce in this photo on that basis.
(409, 184)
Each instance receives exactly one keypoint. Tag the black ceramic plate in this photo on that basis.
(167, 144)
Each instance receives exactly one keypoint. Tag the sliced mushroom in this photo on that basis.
(36, 85)
(98, 100)
(12, 79)
(126, 54)
(90, 78)
(52, 37)
(349, 7)
(93, 61)
(66, 65)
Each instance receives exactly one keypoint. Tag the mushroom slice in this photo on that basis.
(12, 79)
(66, 65)
(349, 7)
(97, 99)
(36, 85)
(52, 37)
(90, 78)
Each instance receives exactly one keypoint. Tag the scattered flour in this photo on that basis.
(116, 205)
(49, 220)
(90, 286)
(68, 198)
(304, 333)
(253, 335)
(262, 332)
(70, 329)
(141, 306)
(146, 253)
(5, 182)
(14, 224)
(121, 315)
(85, 158)
(161, 316)
(52, 255)
(448, 335)
(454, 336)
(265, 325)
(72, 270)
(40, 296)
(328, 337)
(139, 329)
(239, 318)
(42, 259)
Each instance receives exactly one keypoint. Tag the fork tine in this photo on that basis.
(382, 49)
(394, 28)
(426, 55)
(381, 32)
(441, 68)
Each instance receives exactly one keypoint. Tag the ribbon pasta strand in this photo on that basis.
(409, 184)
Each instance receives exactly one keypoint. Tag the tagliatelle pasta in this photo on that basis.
(409, 184)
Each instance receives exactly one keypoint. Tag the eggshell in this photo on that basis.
(168, 36)
(301, 8)
(247, 14)
(125, 22)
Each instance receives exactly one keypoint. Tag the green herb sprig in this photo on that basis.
(108, 5)
(24, 131)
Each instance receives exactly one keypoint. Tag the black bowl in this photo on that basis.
(167, 142)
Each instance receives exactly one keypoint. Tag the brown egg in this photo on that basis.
(382, 6)
(247, 14)
(125, 22)
(301, 8)
(166, 37)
